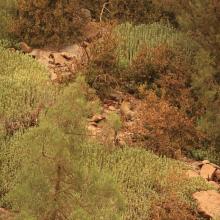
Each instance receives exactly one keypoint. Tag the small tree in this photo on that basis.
(54, 182)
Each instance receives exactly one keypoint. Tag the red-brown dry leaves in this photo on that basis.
(163, 128)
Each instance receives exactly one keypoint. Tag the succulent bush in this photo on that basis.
(133, 37)
(147, 181)
(50, 179)
(24, 88)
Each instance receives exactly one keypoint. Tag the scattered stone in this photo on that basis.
(205, 162)
(59, 59)
(192, 173)
(112, 108)
(25, 48)
(217, 175)
(215, 185)
(207, 171)
(197, 165)
(91, 31)
(97, 118)
(53, 76)
(5, 214)
(208, 203)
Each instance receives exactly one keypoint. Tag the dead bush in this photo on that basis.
(103, 73)
(166, 71)
(164, 128)
(41, 23)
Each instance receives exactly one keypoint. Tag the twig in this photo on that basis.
(102, 11)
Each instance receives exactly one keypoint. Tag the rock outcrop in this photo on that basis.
(208, 203)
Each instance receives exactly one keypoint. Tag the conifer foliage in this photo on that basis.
(53, 182)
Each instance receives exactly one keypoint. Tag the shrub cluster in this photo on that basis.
(41, 23)
(50, 179)
(24, 88)
(150, 185)
(138, 11)
(164, 128)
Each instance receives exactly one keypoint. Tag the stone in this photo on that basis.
(25, 48)
(112, 108)
(197, 165)
(5, 214)
(215, 185)
(192, 173)
(207, 171)
(53, 76)
(208, 203)
(97, 118)
(59, 59)
(205, 162)
(217, 175)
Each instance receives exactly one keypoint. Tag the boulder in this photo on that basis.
(58, 59)
(192, 173)
(197, 165)
(97, 118)
(207, 171)
(208, 203)
(217, 175)
(5, 214)
(205, 162)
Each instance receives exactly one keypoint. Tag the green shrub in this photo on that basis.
(145, 179)
(133, 37)
(206, 154)
(24, 89)
(50, 179)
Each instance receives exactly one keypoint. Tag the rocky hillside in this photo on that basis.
(109, 110)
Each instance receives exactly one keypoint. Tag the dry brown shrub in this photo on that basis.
(164, 128)
(169, 205)
(48, 23)
(172, 208)
(103, 73)
(166, 71)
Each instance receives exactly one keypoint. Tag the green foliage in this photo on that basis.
(24, 87)
(144, 179)
(46, 22)
(133, 38)
(52, 181)
(206, 154)
(207, 90)
(115, 121)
